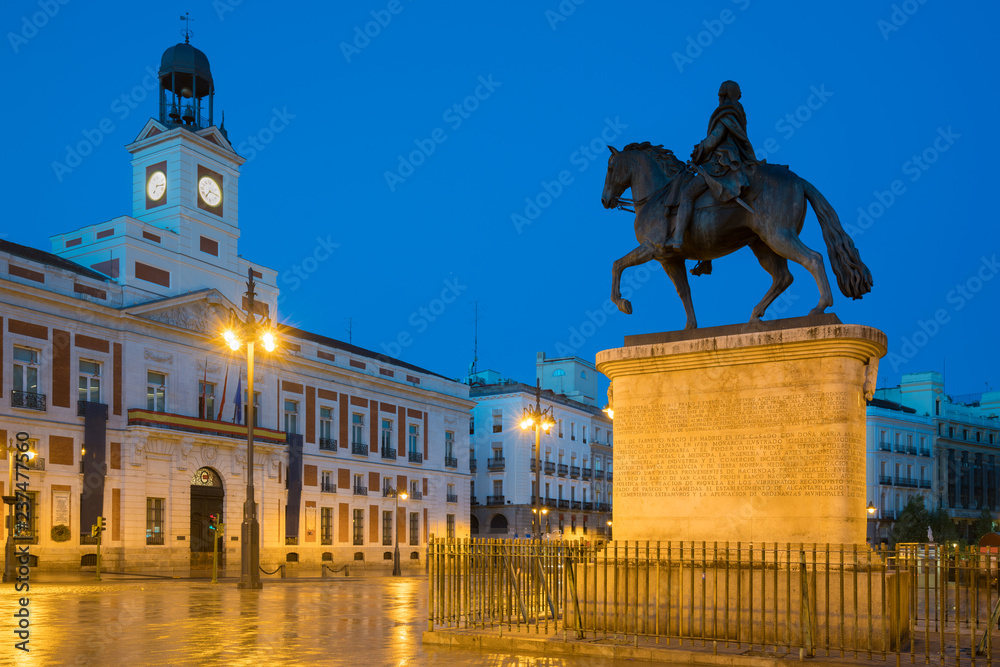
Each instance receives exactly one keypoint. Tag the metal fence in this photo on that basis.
(937, 602)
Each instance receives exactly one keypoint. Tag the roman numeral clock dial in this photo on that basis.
(209, 191)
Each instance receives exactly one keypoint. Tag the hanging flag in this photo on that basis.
(225, 383)
(238, 408)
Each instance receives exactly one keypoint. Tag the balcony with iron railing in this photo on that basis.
(562, 470)
(550, 468)
(575, 505)
(361, 490)
(912, 449)
(473, 501)
(885, 479)
(359, 449)
(209, 427)
(574, 472)
(551, 502)
(925, 484)
(327, 487)
(27, 400)
(603, 507)
(563, 504)
(472, 465)
(587, 473)
(609, 476)
(494, 500)
(925, 452)
(885, 447)
(452, 498)
(496, 463)
(327, 444)
(598, 474)
(388, 453)
(450, 461)
(416, 495)
(416, 457)
(911, 482)
(587, 505)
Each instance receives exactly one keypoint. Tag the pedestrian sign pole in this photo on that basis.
(95, 531)
(217, 531)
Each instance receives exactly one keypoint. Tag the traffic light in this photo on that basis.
(93, 530)
(101, 527)
(213, 522)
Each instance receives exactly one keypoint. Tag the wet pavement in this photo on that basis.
(126, 620)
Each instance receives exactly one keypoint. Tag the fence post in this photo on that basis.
(805, 611)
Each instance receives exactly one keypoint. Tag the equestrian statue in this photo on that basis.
(721, 200)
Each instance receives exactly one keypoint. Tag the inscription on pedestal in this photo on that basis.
(754, 446)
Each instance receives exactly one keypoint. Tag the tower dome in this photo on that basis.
(185, 82)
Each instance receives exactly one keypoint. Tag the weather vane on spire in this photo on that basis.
(187, 28)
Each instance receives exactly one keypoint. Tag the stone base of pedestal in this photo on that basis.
(751, 433)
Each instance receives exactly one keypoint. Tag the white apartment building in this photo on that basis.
(576, 453)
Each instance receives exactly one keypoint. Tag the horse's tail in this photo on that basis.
(853, 277)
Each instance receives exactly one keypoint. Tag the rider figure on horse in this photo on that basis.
(720, 161)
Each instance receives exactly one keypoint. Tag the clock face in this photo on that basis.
(157, 186)
(209, 191)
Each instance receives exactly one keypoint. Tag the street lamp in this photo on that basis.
(397, 570)
(9, 559)
(872, 522)
(540, 420)
(248, 330)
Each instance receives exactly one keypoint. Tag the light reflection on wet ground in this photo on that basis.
(358, 621)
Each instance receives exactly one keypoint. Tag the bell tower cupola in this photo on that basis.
(187, 92)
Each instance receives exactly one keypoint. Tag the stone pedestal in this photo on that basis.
(750, 433)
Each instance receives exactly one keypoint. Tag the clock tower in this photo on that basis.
(183, 231)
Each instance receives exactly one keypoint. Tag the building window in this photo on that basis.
(386, 435)
(597, 435)
(497, 420)
(206, 400)
(326, 525)
(560, 428)
(357, 428)
(291, 416)
(572, 430)
(154, 520)
(472, 425)
(413, 438)
(359, 485)
(327, 483)
(449, 445)
(498, 490)
(156, 392)
(359, 527)
(326, 429)
(414, 528)
(451, 525)
(256, 410)
(387, 528)
(584, 434)
(25, 370)
(90, 381)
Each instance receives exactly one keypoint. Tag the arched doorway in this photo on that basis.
(498, 524)
(474, 526)
(207, 497)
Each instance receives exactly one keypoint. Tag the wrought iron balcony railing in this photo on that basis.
(328, 487)
(328, 444)
(27, 400)
(450, 462)
(359, 449)
(452, 498)
(496, 463)
(361, 490)
(416, 457)
(587, 473)
(574, 472)
(598, 474)
(494, 500)
(885, 479)
(563, 470)
(388, 453)
(550, 468)
(416, 495)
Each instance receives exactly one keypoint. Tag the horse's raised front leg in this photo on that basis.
(781, 277)
(675, 269)
(640, 255)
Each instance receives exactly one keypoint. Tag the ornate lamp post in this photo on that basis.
(397, 570)
(540, 420)
(9, 563)
(248, 330)
(871, 520)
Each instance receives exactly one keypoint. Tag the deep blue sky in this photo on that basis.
(888, 91)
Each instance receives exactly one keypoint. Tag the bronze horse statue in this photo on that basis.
(717, 229)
